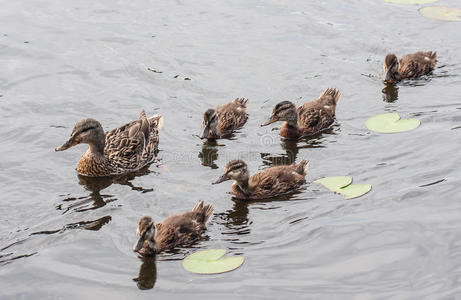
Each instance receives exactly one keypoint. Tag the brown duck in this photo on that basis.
(224, 119)
(270, 182)
(410, 66)
(124, 149)
(309, 118)
(173, 231)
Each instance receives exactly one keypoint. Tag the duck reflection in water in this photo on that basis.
(235, 219)
(292, 147)
(390, 93)
(147, 274)
(209, 154)
(95, 185)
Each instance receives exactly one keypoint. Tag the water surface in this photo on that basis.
(66, 236)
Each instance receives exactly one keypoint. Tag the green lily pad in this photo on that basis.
(410, 1)
(391, 123)
(354, 190)
(441, 13)
(334, 183)
(342, 185)
(211, 262)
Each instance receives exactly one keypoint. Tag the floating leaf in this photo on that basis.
(354, 190)
(342, 185)
(334, 183)
(211, 262)
(441, 13)
(410, 1)
(391, 123)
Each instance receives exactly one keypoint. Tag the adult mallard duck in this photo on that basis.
(309, 118)
(270, 182)
(173, 231)
(221, 121)
(410, 66)
(124, 149)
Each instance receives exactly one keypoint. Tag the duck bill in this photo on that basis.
(387, 78)
(138, 245)
(224, 177)
(70, 143)
(271, 120)
(205, 131)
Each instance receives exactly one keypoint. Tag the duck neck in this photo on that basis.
(97, 144)
(292, 119)
(242, 183)
(96, 149)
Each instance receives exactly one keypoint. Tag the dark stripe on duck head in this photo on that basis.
(235, 165)
(390, 60)
(209, 115)
(284, 105)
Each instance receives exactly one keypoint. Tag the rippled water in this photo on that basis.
(65, 236)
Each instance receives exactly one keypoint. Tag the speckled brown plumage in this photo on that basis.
(124, 149)
(174, 231)
(308, 119)
(409, 66)
(268, 183)
(224, 119)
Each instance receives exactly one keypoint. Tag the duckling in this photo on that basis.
(309, 118)
(410, 66)
(124, 149)
(224, 119)
(270, 182)
(173, 231)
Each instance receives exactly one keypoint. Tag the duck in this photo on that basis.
(124, 149)
(271, 182)
(172, 232)
(409, 66)
(220, 122)
(308, 119)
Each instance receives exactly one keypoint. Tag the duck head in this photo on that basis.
(390, 68)
(209, 124)
(283, 111)
(145, 244)
(236, 170)
(87, 131)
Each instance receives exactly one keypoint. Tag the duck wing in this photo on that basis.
(184, 228)
(274, 181)
(316, 115)
(417, 64)
(232, 115)
(129, 146)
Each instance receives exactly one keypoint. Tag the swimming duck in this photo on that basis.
(173, 231)
(309, 118)
(410, 66)
(124, 149)
(221, 121)
(270, 182)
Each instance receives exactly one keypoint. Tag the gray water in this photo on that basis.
(68, 237)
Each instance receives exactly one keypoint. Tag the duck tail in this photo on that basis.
(331, 96)
(433, 57)
(302, 167)
(142, 114)
(241, 102)
(204, 211)
(156, 121)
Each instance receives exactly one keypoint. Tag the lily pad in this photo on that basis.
(211, 262)
(342, 185)
(335, 183)
(354, 190)
(391, 123)
(410, 1)
(441, 13)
